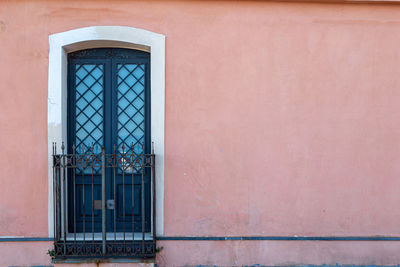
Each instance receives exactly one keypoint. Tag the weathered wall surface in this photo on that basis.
(281, 119)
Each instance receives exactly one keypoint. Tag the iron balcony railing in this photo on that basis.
(104, 203)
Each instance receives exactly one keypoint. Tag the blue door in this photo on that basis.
(108, 106)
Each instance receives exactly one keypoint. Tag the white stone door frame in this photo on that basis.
(60, 44)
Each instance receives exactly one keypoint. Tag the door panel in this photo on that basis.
(92, 217)
(132, 133)
(108, 105)
(86, 130)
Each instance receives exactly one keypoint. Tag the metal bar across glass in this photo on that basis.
(104, 203)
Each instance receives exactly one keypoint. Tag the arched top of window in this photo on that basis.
(108, 52)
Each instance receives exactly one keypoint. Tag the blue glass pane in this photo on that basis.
(89, 87)
(131, 112)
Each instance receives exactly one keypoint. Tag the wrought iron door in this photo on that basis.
(108, 107)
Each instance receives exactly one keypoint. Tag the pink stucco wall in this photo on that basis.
(281, 119)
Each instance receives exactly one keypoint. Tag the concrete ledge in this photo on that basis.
(105, 260)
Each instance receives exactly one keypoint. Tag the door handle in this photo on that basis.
(110, 204)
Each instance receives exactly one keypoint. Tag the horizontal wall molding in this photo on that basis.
(236, 238)
(376, 2)
(24, 239)
(279, 238)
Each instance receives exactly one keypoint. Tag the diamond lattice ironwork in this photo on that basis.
(131, 102)
(89, 84)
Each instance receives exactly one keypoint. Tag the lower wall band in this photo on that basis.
(233, 238)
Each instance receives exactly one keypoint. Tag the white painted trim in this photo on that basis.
(106, 36)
